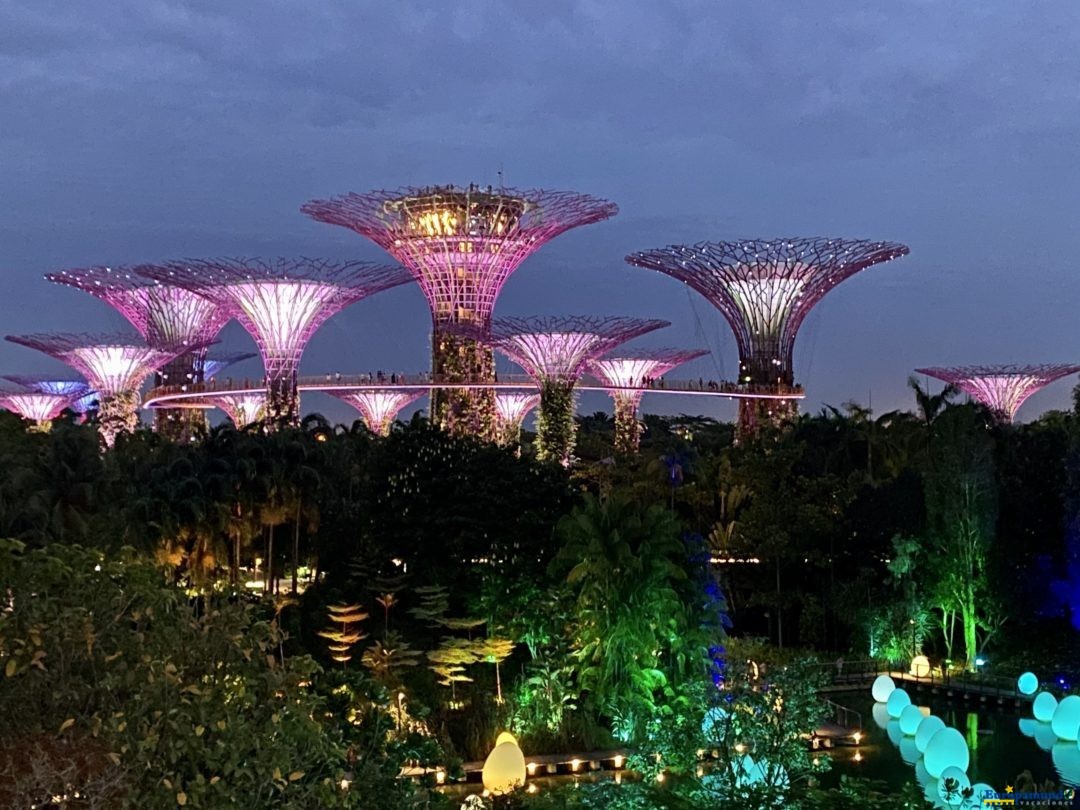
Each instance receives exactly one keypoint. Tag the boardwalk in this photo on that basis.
(967, 685)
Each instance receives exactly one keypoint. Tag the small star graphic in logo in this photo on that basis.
(1008, 788)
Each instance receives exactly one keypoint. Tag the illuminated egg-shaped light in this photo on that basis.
(505, 736)
(1066, 757)
(1042, 708)
(927, 728)
(910, 719)
(908, 752)
(748, 772)
(896, 703)
(1045, 737)
(947, 747)
(1066, 719)
(930, 791)
(921, 774)
(882, 688)
(880, 715)
(713, 725)
(1027, 726)
(775, 774)
(1027, 683)
(894, 733)
(920, 666)
(979, 791)
(962, 784)
(504, 769)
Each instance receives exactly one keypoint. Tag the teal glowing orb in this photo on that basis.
(927, 728)
(947, 748)
(882, 688)
(910, 718)
(957, 793)
(1027, 683)
(1066, 719)
(897, 701)
(1042, 708)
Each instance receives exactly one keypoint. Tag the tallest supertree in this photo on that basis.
(765, 289)
(461, 244)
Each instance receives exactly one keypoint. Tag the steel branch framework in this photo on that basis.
(765, 289)
(212, 366)
(510, 412)
(554, 351)
(379, 407)
(36, 406)
(461, 244)
(242, 408)
(116, 366)
(281, 303)
(628, 370)
(1001, 388)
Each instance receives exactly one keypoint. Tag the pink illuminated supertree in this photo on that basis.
(461, 244)
(281, 303)
(379, 406)
(511, 408)
(167, 316)
(554, 352)
(38, 407)
(765, 289)
(116, 367)
(629, 374)
(212, 366)
(1003, 388)
(242, 408)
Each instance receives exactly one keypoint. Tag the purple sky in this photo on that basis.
(137, 130)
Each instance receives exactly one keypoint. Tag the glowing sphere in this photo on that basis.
(505, 736)
(910, 719)
(908, 752)
(748, 772)
(962, 783)
(894, 733)
(1066, 757)
(896, 703)
(930, 791)
(882, 688)
(978, 790)
(1045, 737)
(927, 728)
(921, 776)
(504, 769)
(880, 715)
(946, 748)
(1027, 683)
(1027, 726)
(713, 725)
(1042, 708)
(920, 666)
(1066, 719)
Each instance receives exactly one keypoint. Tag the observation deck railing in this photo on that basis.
(853, 674)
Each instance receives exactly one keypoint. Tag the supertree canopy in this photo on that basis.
(50, 385)
(116, 367)
(242, 408)
(1002, 388)
(379, 406)
(629, 374)
(554, 352)
(38, 407)
(461, 244)
(281, 303)
(212, 366)
(511, 408)
(164, 314)
(765, 289)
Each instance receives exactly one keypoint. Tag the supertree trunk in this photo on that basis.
(556, 432)
(117, 413)
(627, 427)
(463, 411)
(181, 424)
(282, 402)
(754, 414)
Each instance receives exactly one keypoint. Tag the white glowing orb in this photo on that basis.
(911, 718)
(946, 748)
(1027, 683)
(1066, 719)
(896, 703)
(881, 715)
(1043, 707)
(504, 769)
(882, 688)
(927, 728)
(505, 737)
(920, 666)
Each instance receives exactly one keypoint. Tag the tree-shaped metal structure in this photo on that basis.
(50, 385)
(1001, 388)
(37, 407)
(281, 303)
(116, 366)
(461, 244)
(379, 406)
(511, 408)
(214, 365)
(242, 408)
(765, 289)
(554, 352)
(166, 315)
(629, 374)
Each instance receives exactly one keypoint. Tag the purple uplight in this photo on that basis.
(1001, 388)
(379, 406)
(281, 303)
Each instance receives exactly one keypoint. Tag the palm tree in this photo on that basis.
(931, 405)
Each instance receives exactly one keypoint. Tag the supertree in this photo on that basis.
(379, 406)
(116, 367)
(38, 407)
(511, 408)
(1001, 388)
(212, 366)
(50, 385)
(628, 374)
(554, 352)
(765, 289)
(167, 316)
(242, 408)
(281, 303)
(461, 244)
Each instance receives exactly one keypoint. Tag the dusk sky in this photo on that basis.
(140, 130)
